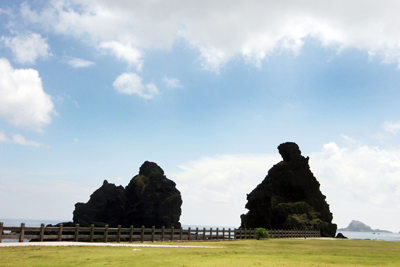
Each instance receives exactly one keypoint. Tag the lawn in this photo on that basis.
(272, 252)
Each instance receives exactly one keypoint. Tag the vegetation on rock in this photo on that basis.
(289, 197)
(150, 199)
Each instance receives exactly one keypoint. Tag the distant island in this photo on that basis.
(357, 226)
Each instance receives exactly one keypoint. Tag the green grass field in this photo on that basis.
(273, 252)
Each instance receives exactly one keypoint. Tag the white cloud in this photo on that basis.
(79, 63)
(27, 47)
(217, 187)
(360, 182)
(391, 126)
(23, 102)
(172, 82)
(131, 83)
(223, 30)
(125, 52)
(18, 139)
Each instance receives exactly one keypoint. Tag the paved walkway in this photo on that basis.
(95, 244)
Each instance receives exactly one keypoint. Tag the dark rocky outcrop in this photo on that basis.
(289, 197)
(340, 235)
(150, 199)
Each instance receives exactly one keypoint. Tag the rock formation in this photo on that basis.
(357, 226)
(340, 235)
(289, 197)
(150, 199)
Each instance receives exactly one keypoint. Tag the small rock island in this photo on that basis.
(357, 226)
(150, 199)
(289, 197)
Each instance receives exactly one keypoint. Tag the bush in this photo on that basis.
(261, 233)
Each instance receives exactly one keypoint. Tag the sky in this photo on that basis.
(90, 89)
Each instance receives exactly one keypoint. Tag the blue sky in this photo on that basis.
(91, 89)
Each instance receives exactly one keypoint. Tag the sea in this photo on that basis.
(372, 235)
(351, 235)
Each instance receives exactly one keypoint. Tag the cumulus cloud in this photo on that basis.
(23, 102)
(172, 82)
(17, 139)
(360, 182)
(131, 83)
(223, 30)
(27, 47)
(78, 62)
(124, 52)
(217, 186)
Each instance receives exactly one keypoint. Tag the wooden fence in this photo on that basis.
(249, 233)
(142, 234)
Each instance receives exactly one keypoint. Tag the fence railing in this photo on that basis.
(142, 234)
(249, 233)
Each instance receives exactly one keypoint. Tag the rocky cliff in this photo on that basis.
(150, 199)
(289, 197)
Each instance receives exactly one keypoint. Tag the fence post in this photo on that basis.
(229, 233)
(21, 236)
(91, 232)
(153, 232)
(119, 234)
(131, 235)
(217, 234)
(189, 234)
(197, 234)
(1, 230)
(223, 233)
(180, 234)
(76, 232)
(142, 237)
(172, 233)
(60, 230)
(41, 232)
(106, 233)
(211, 234)
(162, 233)
(204, 233)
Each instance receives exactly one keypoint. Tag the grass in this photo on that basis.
(272, 252)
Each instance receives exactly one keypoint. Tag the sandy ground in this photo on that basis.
(97, 244)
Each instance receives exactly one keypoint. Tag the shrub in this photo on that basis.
(261, 233)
